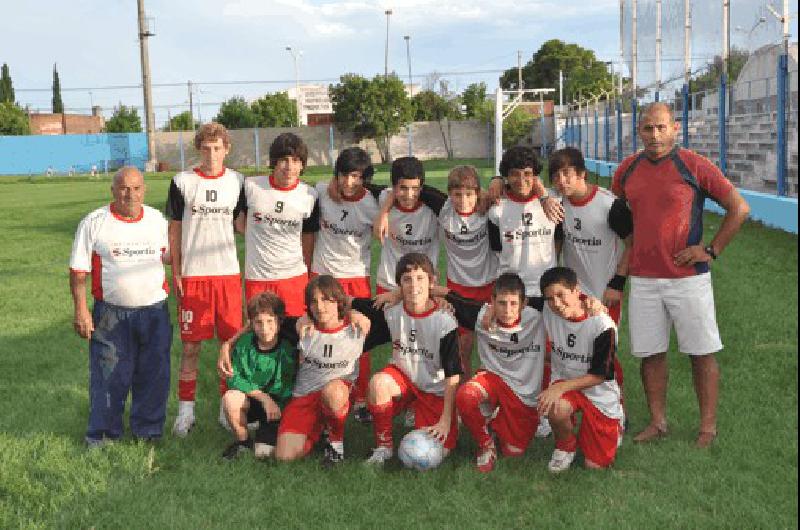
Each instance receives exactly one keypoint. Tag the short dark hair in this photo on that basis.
(266, 302)
(567, 157)
(509, 282)
(287, 144)
(411, 261)
(354, 159)
(519, 157)
(407, 167)
(330, 290)
(563, 275)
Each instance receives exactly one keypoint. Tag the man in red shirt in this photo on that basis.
(665, 188)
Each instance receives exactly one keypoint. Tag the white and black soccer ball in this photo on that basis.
(421, 451)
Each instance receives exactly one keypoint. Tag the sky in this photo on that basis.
(95, 44)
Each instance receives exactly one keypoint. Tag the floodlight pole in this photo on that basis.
(658, 50)
(498, 129)
(388, 14)
(144, 34)
(410, 90)
(295, 55)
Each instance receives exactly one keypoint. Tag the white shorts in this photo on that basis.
(656, 303)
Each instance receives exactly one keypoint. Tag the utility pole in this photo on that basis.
(144, 34)
(658, 49)
(726, 35)
(687, 41)
(191, 103)
(410, 90)
(295, 55)
(634, 49)
(621, 42)
(388, 14)
(561, 90)
(519, 69)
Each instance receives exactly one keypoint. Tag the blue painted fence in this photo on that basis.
(25, 155)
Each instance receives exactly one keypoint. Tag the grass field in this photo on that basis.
(47, 479)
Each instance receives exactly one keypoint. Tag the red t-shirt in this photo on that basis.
(666, 216)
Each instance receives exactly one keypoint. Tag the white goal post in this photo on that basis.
(503, 110)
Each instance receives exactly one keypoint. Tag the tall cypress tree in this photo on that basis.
(6, 87)
(58, 105)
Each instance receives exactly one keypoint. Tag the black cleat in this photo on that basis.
(362, 415)
(233, 450)
(331, 457)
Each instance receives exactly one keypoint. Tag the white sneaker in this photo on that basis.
(560, 461)
(223, 419)
(543, 430)
(185, 419)
(262, 450)
(410, 418)
(380, 455)
(487, 411)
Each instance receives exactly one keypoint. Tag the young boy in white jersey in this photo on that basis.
(596, 224)
(280, 218)
(201, 206)
(342, 247)
(425, 368)
(328, 367)
(582, 360)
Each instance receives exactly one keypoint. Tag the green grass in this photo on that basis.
(47, 479)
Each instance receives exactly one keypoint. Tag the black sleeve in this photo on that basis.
(432, 198)
(379, 329)
(466, 310)
(620, 218)
(375, 189)
(603, 355)
(288, 330)
(311, 224)
(536, 302)
(448, 353)
(241, 204)
(495, 243)
(175, 203)
(559, 234)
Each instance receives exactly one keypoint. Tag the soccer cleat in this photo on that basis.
(488, 411)
(380, 455)
(362, 415)
(262, 450)
(560, 461)
(96, 443)
(331, 457)
(223, 419)
(486, 459)
(236, 448)
(185, 419)
(543, 430)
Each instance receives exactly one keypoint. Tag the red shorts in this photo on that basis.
(357, 287)
(291, 290)
(516, 422)
(427, 407)
(479, 294)
(209, 302)
(598, 434)
(304, 415)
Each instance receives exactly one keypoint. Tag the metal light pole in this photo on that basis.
(388, 14)
(144, 34)
(296, 54)
(410, 89)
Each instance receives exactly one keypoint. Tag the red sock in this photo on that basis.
(568, 444)
(362, 383)
(223, 386)
(186, 389)
(335, 422)
(382, 423)
(468, 400)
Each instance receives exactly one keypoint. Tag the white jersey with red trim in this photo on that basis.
(591, 248)
(123, 256)
(206, 206)
(515, 353)
(470, 260)
(343, 243)
(573, 353)
(273, 238)
(416, 344)
(326, 355)
(415, 230)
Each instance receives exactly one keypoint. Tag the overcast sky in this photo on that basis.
(95, 43)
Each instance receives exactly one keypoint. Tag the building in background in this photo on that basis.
(315, 103)
(49, 124)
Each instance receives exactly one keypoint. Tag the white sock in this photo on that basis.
(186, 407)
(338, 447)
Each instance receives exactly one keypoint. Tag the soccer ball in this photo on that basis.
(421, 451)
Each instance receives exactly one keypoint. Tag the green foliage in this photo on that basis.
(6, 86)
(13, 120)
(180, 122)
(516, 128)
(474, 100)
(275, 110)
(58, 104)
(375, 108)
(583, 73)
(124, 120)
(235, 113)
(430, 106)
(709, 79)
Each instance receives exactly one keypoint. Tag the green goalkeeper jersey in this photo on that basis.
(270, 371)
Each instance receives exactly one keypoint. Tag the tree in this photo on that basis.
(275, 110)
(709, 80)
(516, 127)
(235, 113)
(375, 108)
(124, 120)
(180, 122)
(58, 105)
(583, 73)
(430, 106)
(6, 86)
(474, 99)
(13, 120)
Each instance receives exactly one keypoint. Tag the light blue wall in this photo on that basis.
(774, 211)
(23, 155)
